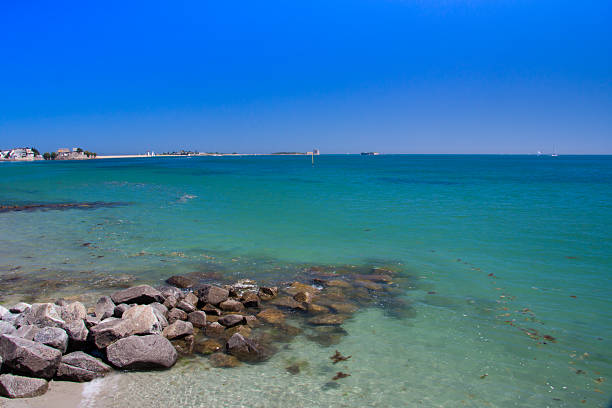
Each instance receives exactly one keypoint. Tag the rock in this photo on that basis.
(327, 335)
(198, 319)
(178, 329)
(300, 287)
(346, 308)
(287, 302)
(61, 302)
(52, 337)
(303, 297)
(231, 320)
(91, 321)
(42, 315)
(191, 298)
(170, 302)
(212, 294)
(143, 320)
(368, 284)
(171, 291)
(180, 281)
(119, 310)
(184, 346)
(214, 330)
(231, 305)
(142, 352)
(3, 311)
(77, 334)
(186, 306)
(7, 328)
(208, 347)
(81, 367)
(241, 329)
(250, 299)
(328, 320)
(176, 314)
(271, 316)
(142, 294)
(377, 277)
(160, 308)
(10, 318)
(251, 321)
(222, 360)
(160, 316)
(14, 386)
(20, 307)
(211, 310)
(317, 309)
(243, 348)
(73, 311)
(105, 307)
(27, 331)
(28, 357)
(338, 283)
(267, 293)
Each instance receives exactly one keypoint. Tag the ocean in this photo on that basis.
(502, 269)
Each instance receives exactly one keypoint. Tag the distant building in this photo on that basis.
(315, 152)
(20, 154)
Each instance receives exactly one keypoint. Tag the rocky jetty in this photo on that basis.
(147, 328)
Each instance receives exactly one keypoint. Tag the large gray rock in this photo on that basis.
(231, 305)
(73, 311)
(212, 294)
(160, 316)
(176, 314)
(198, 319)
(177, 330)
(139, 319)
(186, 306)
(160, 308)
(244, 349)
(3, 311)
(14, 386)
(167, 291)
(28, 357)
(142, 352)
(232, 320)
(52, 337)
(42, 315)
(81, 367)
(143, 294)
(20, 307)
(104, 308)
(191, 298)
(77, 334)
(6, 328)
(10, 318)
(27, 331)
(109, 332)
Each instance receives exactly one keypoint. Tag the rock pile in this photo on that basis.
(143, 328)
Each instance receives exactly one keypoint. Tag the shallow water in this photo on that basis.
(496, 251)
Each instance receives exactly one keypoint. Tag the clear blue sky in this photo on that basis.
(426, 76)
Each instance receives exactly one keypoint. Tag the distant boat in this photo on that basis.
(370, 153)
(554, 153)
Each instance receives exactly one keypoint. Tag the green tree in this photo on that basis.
(47, 156)
(53, 155)
(79, 150)
(35, 150)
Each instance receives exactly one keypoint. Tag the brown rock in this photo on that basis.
(197, 318)
(142, 294)
(250, 299)
(180, 281)
(211, 310)
(191, 298)
(176, 314)
(329, 319)
(214, 330)
(231, 305)
(142, 352)
(303, 297)
(317, 309)
(338, 283)
(368, 284)
(243, 348)
(184, 346)
(186, 306)
(232, 320)
(267, 293)
(271, 316)
(346, 308)
(212, 294)
(177, 330)
(287, 302)
(208, 347)
(222, 360)
(170, 302)
(300, 287)
(14, 386)
(241, 329)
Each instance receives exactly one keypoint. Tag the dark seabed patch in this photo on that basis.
(59, 206)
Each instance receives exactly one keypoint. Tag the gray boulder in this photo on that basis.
(170, 302)
(73, 311)
(198, 319)
(212, 294)
(142, 352)
(81, 367)
(20, 307)
(244, 349)
(42, 315)
(231, 305)
(232, 320)
(14, 386)
(191, 298)
(6, 328)
(104, 308)
(139, 319)
(10, 318)
(167, 291)
(176, 314)
(28, 357)
(27, 331)
(186, 306)
(178, 330)
(91, 321)
(120, 310)
(142, 294)
(3, 311)
(52, 337)
(107, 333)
(160, 308)
(77, 334)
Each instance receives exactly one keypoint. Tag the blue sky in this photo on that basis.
(452, 76)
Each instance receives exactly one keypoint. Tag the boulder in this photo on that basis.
(52, 337)
(243, 348)
(15, 386)
(223, 360)
(176, 314)
(191, 298)
(143, 320)
(20, 307)
(119, 310)
(160, 316)
(250, 299)
(212, 294)
(10, 317)
(160, 308)
(105, 334)
(77, 334)
(251, 321)
(197, 319)
(208, 347)
(28, 357)
(91, 321)
(317, 309)
(300, 287)
(73, 311)
(170, 302)
(180, 281)
(42, 315)
(171, 291)
(242, 329)
(81, 367)
(214, 329)
(231, 320)
(288, 303)
(303, 297)
(178, 329)
(6, 328)
(3, 311)
(27, 331)
(184, 345)
(328, 320)
(231, 305)
(211, 310)
(267, 293)
(347, 308)
(186, 306)
(142, 352)
(271, 316)
(142, 294)
(105, 307)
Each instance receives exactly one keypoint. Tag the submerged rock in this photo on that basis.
(243, 348)
(14, 386)
(142, 352)
(142, 294)
(267, 293)
(214, 330)
(250, 299)
(184, 346)
(81, 367)
(271, 316)
(180, 281)
(222, 360)
(28, 357)
(317, 309)
(329, 320)
(287, 302)
(208, 347)
(303, 297)
(297, 287)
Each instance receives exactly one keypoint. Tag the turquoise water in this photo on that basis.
(483, 241)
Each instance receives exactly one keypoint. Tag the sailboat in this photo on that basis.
(554, 152)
